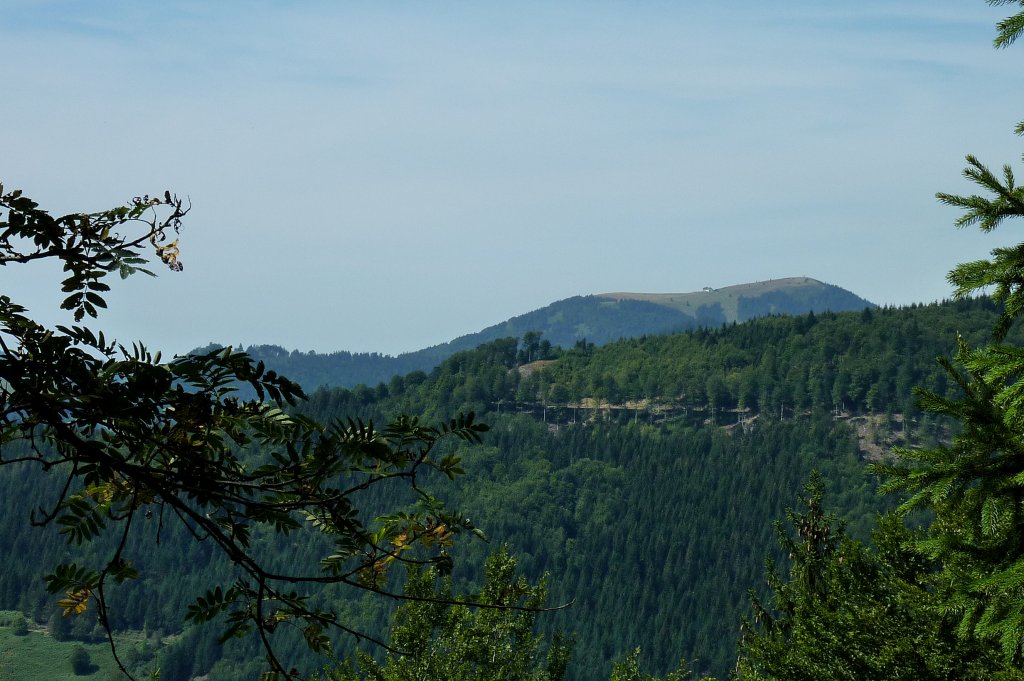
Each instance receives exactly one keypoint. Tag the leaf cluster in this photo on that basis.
(136, 438)
(489, 638)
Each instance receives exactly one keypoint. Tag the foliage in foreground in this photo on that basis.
(137, 440)
(627, 668)
(492, 640)
(847, 611)
(975, 485)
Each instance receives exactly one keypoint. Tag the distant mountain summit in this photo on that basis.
(793, 295)
(597, 319)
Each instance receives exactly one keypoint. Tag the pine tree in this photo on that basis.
(845, 611)
(975, 486)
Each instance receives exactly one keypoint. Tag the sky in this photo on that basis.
(385, 176)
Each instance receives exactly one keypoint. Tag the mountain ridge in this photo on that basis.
(597, 318)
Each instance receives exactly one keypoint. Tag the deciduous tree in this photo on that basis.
(139, 440)
(492, 641)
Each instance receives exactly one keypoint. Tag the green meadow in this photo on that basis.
(34, 655)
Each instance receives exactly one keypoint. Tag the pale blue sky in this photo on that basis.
(385, 176)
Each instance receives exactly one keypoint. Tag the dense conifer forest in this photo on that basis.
(643, 477)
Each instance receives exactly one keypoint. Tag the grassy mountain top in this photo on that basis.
(791, 295)
(753, 288)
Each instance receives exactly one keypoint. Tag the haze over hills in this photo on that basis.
(597, 319)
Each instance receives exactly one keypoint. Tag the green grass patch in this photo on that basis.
(36, 656)
(728, 296)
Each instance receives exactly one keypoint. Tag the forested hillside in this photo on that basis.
(596, 319)
(644, 476)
